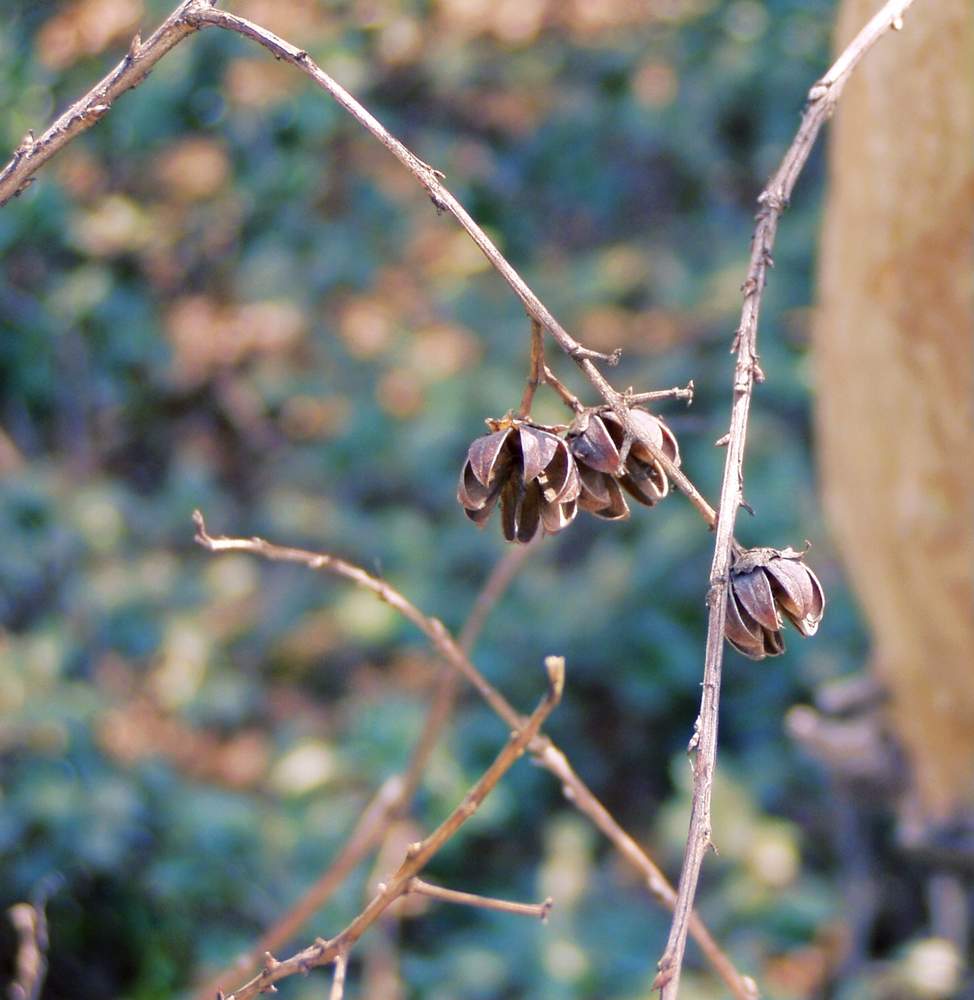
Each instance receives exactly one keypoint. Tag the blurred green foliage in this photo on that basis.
(227, 296)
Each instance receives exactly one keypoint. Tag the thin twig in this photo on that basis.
(772, 202)
(419, 854)
(395, 795)
(544, 751)
(539, 911)
(338, 980)
(33, 153)
(536, 368)
(677, 392)
(564, 393)
(433, 628)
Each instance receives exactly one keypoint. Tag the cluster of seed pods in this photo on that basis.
(766, 587)
(541, 479)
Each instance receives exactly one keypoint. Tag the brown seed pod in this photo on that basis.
(766, 584)
(596, 441)
(530, 471)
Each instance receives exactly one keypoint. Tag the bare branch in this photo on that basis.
(538, 910)
(434, 629)
(447, 682)
(33, 152)
(338, 982)
(545, 752)
(419, 854)
(501, 577)
(772, 202)
(395, 795)
(581, 796)
(535, 369)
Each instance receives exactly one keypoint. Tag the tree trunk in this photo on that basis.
(894, 350)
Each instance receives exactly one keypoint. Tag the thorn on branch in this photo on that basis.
(722, 441)
(818, 91)
(772, 201)
(25, 148)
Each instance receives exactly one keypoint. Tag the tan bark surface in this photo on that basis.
(894, 348)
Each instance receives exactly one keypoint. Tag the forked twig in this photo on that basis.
(393, 798)
(772, 202)
(545, 752)
(418, 855)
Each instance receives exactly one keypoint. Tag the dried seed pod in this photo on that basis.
(766, 584)
(529, 471)
(596, 442)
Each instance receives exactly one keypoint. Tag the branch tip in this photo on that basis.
(555, 666)
(201, 537)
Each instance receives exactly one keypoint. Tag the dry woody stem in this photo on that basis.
(338, 979)
(393, 798)
(772, 202)
(418, 855)
(544, 751)
(539, 911)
